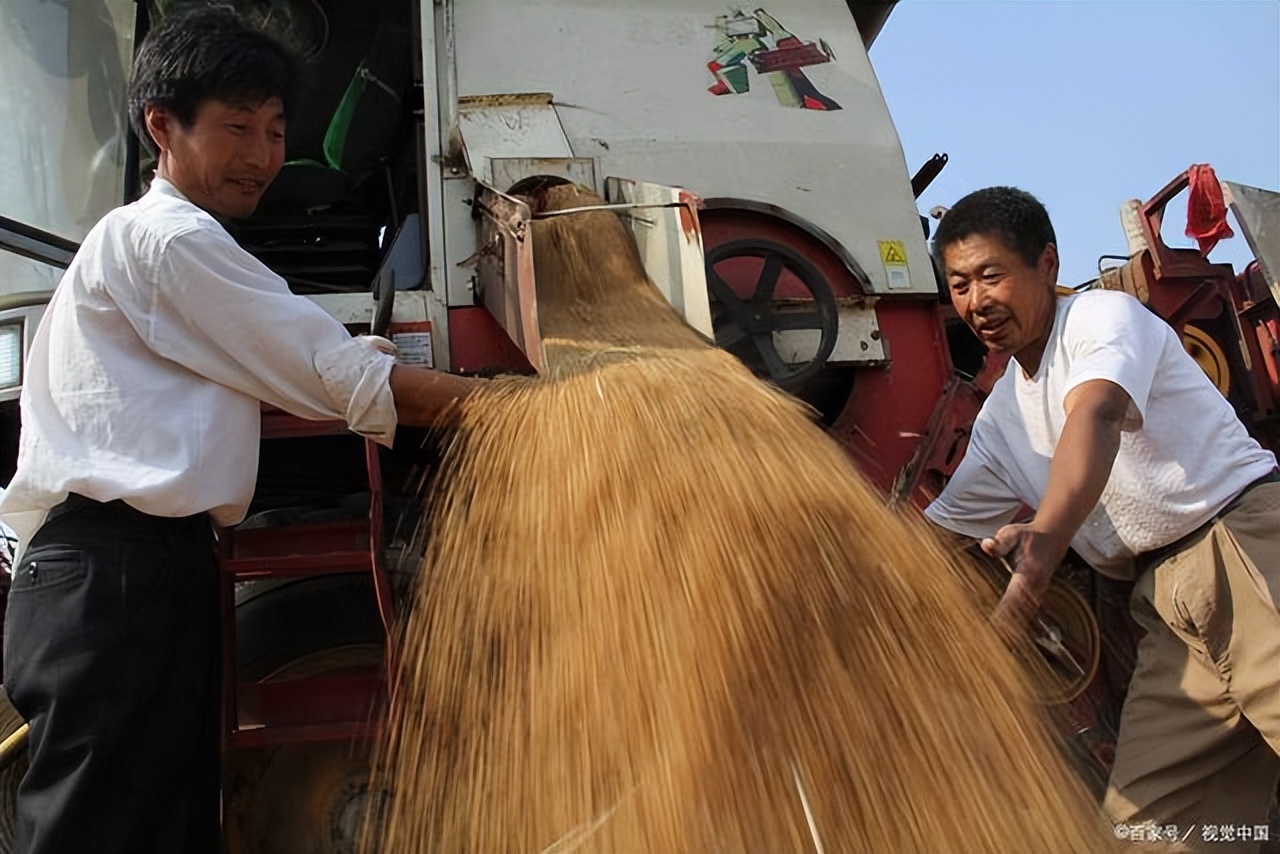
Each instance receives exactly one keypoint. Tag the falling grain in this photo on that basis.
(661, 611)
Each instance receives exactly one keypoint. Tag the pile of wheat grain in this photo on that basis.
(661, 612)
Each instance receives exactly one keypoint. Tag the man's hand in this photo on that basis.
(1032, 556)
(1078, 473)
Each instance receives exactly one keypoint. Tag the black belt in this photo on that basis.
(76, 503)
(1146, 560)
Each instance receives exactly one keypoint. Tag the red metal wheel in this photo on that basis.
(774, 289)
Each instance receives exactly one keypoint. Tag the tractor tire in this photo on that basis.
(307, 798)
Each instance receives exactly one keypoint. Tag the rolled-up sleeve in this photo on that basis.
(976, 502)
(217, 311)
(357, 372)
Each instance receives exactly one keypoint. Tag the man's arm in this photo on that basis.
(1078, 473)
(428, 398)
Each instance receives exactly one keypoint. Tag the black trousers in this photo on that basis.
(111, 653)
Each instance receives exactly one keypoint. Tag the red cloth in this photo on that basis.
(1206, 211)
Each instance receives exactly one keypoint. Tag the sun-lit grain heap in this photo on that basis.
(661, 612)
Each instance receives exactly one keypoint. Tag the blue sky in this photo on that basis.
(1086, 103)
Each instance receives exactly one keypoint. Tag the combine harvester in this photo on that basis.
(752, 154)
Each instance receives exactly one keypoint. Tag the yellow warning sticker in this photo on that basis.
(893, 252)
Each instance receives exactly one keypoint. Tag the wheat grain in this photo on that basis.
(661, 611)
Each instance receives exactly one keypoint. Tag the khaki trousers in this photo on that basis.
(1199, 743)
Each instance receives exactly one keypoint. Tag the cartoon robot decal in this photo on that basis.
(774, 52)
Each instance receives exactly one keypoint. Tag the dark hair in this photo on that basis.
(207, 52)
(1013, 216)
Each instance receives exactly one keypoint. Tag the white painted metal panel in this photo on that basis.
(459, 240)
(505, 126)
(630, 82)
(665, 225)
(437, 122)
(857, 343)
(424, 341)
(409, 307)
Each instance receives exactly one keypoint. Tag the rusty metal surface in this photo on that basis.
(504, 262)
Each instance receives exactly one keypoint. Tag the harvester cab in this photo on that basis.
(749, 149)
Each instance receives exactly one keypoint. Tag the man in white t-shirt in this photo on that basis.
(141, 409)
(1127, 453)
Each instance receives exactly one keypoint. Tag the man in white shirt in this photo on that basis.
(140, 427)
(1126, 452)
